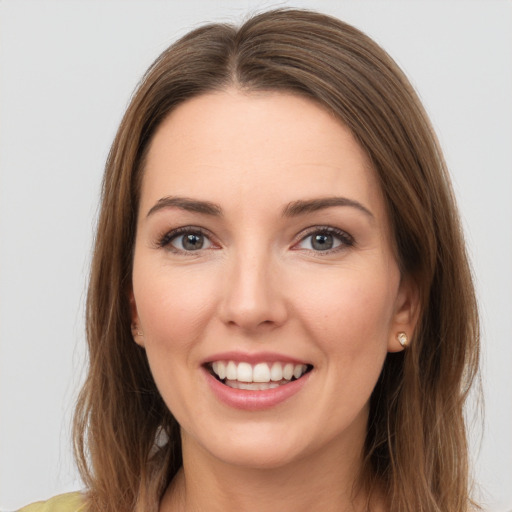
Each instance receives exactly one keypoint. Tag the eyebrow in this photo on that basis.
(293, 209)
(188, 204)
(302, 207)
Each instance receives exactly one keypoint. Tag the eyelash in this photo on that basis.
(165, 241)
(345, 239)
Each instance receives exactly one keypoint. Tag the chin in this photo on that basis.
(260, 456)
(256, 446)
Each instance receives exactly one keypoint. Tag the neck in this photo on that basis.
(206, 483)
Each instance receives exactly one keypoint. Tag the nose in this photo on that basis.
(253, 296)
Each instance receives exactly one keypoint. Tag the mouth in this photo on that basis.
(256, 377)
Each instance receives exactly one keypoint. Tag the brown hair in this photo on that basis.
(416, 448)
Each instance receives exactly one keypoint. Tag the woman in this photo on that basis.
(280, 312)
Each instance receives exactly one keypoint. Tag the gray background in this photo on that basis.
(67, 72)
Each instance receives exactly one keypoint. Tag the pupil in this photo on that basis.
(193, 242)
(322, 242)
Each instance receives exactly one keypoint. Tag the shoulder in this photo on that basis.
(70, 502)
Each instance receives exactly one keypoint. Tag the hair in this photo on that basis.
(127, 443)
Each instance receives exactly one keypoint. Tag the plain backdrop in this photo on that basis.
(68, 69)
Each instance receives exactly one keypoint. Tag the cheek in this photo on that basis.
(172, 305)
(348, 319)
(349, 315)
(173, 313)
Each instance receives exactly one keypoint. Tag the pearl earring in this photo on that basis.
(136, 331)
(402, 339)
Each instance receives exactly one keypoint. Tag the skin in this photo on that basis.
(258, 284)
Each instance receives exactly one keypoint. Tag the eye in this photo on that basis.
(186, 240)
(191, 242)
(325, 239)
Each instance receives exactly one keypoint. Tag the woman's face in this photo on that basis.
(264, 281)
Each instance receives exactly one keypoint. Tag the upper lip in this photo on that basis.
(254, 358)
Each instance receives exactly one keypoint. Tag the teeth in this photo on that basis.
(298, 371)
(288, 371)
(244, 372)
(252, 386)
(220, 369)
(276, 372)
(261, 373)
(231, 372)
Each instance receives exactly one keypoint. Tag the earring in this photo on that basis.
(402, 339)
(136, 331)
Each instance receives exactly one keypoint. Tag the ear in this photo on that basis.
(137, 333)
(407, 311)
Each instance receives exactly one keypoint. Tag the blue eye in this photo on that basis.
(325, 240)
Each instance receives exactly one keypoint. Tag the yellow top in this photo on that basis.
(70, 502)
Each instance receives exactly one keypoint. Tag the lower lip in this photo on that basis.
(250, 400)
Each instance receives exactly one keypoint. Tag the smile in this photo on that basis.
(257, 377)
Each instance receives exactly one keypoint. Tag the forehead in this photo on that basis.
(233, 146)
